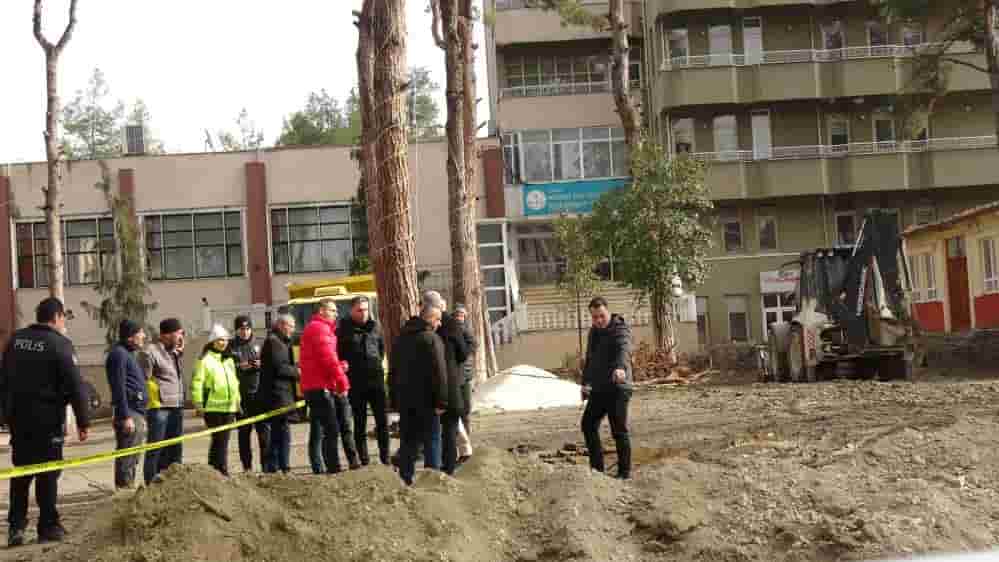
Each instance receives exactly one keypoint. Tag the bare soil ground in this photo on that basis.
(726, 473)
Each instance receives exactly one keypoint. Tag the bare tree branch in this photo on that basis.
(37, 20)
(69, 26)
(435, 9)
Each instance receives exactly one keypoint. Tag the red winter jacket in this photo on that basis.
(318, 361)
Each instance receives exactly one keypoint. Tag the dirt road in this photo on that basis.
(829, 471)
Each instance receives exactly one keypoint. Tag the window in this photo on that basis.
(702, 320)
(918, 126)
(839, 132)
(768, 232)
(511, 159)
(924, 278)
(726, 137)
(912, 35)
(892, 212)
(738, 318)
(925, 214)
(635, 67)
(877, 38)
(732, 234)
(88, 246)
(319, 238)
(846, 228)
(683, 136)
(884, 130)
(720, 45)
(832, 36)
(679, 46)
(563, 75)
(569, 154)
(990, 265)
(777, 307)
(194, 246)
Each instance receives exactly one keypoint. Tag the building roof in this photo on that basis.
(953, 219)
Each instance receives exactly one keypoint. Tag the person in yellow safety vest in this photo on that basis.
(215, 393)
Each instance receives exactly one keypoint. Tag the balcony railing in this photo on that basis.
(561, 89)
(855, 148)
(811, 55)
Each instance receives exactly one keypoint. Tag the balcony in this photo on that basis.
(539, 107)
(669, 6)
(855, 167)
(517, 22)
(803, 74)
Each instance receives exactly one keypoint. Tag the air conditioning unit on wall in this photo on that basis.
(134, 140)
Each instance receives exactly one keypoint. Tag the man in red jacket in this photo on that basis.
(325, 385)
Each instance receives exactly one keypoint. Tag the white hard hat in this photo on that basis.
(218, 333)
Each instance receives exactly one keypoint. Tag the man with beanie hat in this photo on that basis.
(161, 361)
(128, 398)
(247, 355)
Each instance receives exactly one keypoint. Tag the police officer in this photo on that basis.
(38, 378)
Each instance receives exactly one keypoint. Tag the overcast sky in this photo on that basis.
(195, 63)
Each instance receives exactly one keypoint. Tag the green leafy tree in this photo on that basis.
(578, 280)
(246, 137)
(659, 228)
(423, 103)
(323, 120)
(974, 22)
(123, 286)
(92, 122)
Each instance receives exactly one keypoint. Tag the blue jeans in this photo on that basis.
(163, 423)
(316, 438)
(278, 457)
(435, 459)
(417, 427)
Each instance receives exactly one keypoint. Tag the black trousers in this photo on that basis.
(263, 430)
(333, 413)
(416, 429)
(218, 452)
(449, 441)
(33, 448)
(466, 396)
(361, 397)
(611, 404)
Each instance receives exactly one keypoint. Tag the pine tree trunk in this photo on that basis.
(53, 205)
(620, 75)
(396, 252)
(992, 55)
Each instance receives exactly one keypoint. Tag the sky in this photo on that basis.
(195, 63)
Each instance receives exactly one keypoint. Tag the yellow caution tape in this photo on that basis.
(31, 469)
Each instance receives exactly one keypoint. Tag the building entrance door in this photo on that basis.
(957, 285)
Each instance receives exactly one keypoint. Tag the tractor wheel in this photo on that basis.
(797, 361)
(895, 368)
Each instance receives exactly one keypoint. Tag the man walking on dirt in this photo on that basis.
(38, 377)
(247, 355)
(325, 385)
(128, 398)
(607, 385)
(361, 345)
(165, 418)
(418, 370)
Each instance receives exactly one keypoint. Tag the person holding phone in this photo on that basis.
(246, 352)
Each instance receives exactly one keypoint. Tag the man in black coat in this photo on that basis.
(456, 353)
(127, 381)
(278, 376)
(607, 385)
(38, 378)
(246, 352)
(418, 371)
(362, 346)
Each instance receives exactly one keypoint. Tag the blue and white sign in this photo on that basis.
(574, 197)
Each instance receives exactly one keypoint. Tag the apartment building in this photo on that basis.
(226, 230)
(800, 108)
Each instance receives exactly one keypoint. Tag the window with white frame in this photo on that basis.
(563, 75)
(732, 234)
(767, 225)
(194, 245)
(726, 136)
(720, 44)
(88, 246)
(566, 154)
(990, 265)
(683, 135)
(777, 307)
(678, 46)
(738, 318)
(492, 261)
(315, 238)
(883, 122)
(839, 132)
(511, 159)
(846, 228)
(878, 38)
(924, 278)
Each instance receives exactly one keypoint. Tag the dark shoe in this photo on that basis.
(334, 470)
(15, 538)
(355, 465)
(55, 533)
(463, 459)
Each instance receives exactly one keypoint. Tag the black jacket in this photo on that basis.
(363, 348)
(418, 369)
(607, 350)
(456, 353)
(249, 379)
(468, 367)
(39, 377)
(127, 381)
(278, 373)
